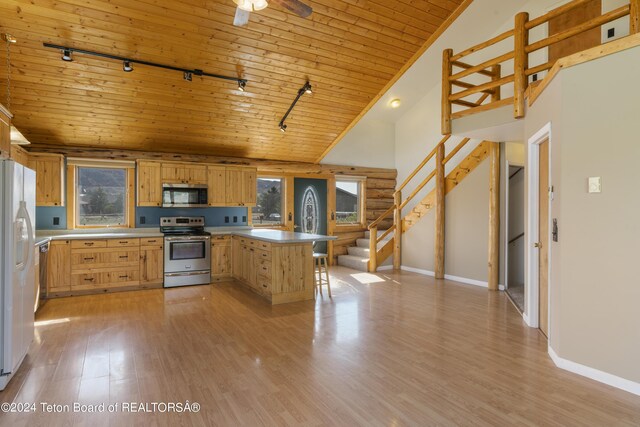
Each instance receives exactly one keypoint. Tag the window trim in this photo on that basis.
(72, 173)
(283, 204)
(361, 223)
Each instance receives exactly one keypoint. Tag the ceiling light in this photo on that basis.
(307, 88)
(283, 127)
(66, 55)
(126, 67)
(241, 85)
(9, 38)
(188, 76)
(251, 5)
(395, 103)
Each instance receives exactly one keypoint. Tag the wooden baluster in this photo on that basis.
(397, 232)
(447, 71)
(494, 216)
(439, 214)
(497, 73)
(521, 63)
(634, 17)
(373, 249)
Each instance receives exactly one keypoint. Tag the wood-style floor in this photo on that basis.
(389, 350)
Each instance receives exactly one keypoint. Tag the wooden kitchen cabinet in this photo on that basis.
(217, 187)
(149, 183)
(151, 261)
(59, 267)
(184, 173)
(241, 186)
(5, 132)
(100, 265)
(221, 261)
(196, 174)
(49, 178)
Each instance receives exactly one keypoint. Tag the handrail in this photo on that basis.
(418, 189)
(554, 13)
(382, 217)
(383, 235)
(424, 162)
(516, 238)
(480, 46)
(455, 150)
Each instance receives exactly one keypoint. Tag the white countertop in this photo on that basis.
(268, 235)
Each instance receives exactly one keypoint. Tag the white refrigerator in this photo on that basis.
(17, 265)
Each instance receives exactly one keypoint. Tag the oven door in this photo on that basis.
(184, 196)
(186, 254)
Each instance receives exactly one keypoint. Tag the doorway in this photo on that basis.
(310, 208)
(537, 304)
(515, 256)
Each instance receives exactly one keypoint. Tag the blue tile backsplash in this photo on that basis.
(214, 217)
(45, 216)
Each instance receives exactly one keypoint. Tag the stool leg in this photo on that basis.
(326, 272)
(319, 273)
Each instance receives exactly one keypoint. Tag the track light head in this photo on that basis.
(283, 127)
(307, 88)
(188, 76)
(127, 67)
(66, 55)
(241, 85)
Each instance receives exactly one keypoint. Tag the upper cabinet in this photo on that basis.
(249, 190)
(184, 173)
(49, 178)
(241, 186)
(149, 183)
(5, 133)
(217, 185)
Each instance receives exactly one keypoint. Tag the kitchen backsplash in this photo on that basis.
(214, 217)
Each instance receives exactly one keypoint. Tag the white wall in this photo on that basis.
(370, 143)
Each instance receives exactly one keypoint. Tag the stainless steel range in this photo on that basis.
(187, 251)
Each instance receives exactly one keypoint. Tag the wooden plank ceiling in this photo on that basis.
(348, 49)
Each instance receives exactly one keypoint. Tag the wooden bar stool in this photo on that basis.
(320, 263)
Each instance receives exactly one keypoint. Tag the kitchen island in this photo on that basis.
(277, 265)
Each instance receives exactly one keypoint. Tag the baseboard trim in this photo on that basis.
(385, 267)
(450, 277)
(595, 374)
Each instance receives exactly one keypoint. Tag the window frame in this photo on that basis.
(72, 186)
(283, 202)
(361, 220)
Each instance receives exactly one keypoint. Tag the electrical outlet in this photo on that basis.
(143, 220)
(244, 219)
(534, 77)
(611, 33)
(226, 220)
(56, 220)
(235, 219)
(595, 184)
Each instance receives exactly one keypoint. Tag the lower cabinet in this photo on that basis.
(59, 267)
(221, 260)
(151, 261)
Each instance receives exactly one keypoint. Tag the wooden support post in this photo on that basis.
(397, 232)
(494, 216)
(497, 73)
(439, 214)
(520, 64)
(634, 17)
(373, 249)
(447, 71)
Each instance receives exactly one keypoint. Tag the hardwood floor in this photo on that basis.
(388, 349)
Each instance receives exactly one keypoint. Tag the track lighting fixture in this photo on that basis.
(304, 89)
(127, 64)
(66, 55)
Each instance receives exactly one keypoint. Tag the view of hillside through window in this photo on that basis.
(269, 208)
(101, 196)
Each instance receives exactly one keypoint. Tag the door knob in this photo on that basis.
(537, 245)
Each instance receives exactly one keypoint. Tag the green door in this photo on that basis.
(310, 208)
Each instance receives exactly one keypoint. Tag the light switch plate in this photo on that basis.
(595, 184)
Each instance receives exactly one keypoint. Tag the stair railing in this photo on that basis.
(519, 55)
(395, 211)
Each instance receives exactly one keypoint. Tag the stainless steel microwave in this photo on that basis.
(184, 196)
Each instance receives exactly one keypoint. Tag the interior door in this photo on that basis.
(543, 239)
(310, 208)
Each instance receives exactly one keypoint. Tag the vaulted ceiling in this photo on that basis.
(348, 49)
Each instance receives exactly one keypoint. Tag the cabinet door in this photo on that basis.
(236, 250)
(216, 182)
(49, 178)
(59, 266)
(149, 184)
(220, 259)
(173, 173)
(151, 265)
(5, 135)
(196, 174)
(249, 177)
(234, 186)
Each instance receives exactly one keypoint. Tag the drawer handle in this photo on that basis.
(251, 249)
(124, 257)
(152, 241)
(264, 286)
(91, 279)
(88, 243)
(264, 268)
(89, 259)
(123, 243)
(123, 277)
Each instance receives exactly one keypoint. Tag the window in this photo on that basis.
(101, 196)
(349, 201)
(269, 210)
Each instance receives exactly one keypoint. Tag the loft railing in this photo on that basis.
(394, 246)
(456, 73)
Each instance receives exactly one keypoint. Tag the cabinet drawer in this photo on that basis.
(262, 255)
(123, 277)
(119, 243)
(220, 239)
(265, 246)
(264, 268)
(152, 241)
(82, 281)
(83, 259)
(79, 244)
(264, 285)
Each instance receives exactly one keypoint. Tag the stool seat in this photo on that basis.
(320, 266)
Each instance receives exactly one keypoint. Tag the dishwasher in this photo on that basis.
(41, 283)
